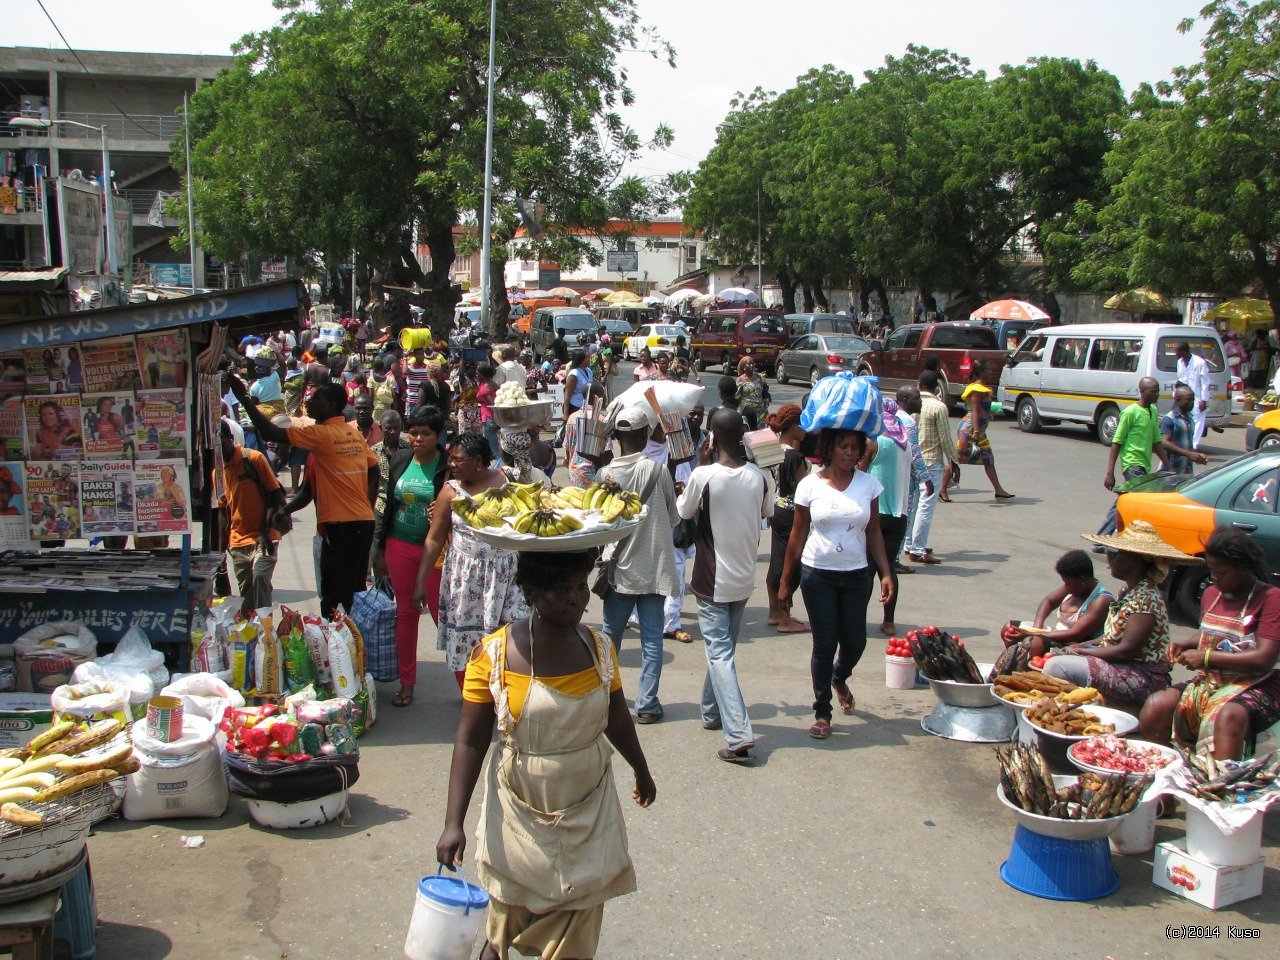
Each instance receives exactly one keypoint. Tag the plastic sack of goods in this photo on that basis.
(306, 752)
(47, 654)
(93, 700)
(179, 779)
(842, 401)
(134, 653)
(204, 695)
(672, 397)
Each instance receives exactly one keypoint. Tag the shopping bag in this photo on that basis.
(374, 614)
(842, 401)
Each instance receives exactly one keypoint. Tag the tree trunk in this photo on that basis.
(440, 294)
(788, 287)
(928, 303)
(808, 296)
(499, 305)
(883, 295)
(1269, 275)
(1052, 307)
(864, 297)
(820, 298)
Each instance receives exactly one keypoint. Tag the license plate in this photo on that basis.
(765, 349)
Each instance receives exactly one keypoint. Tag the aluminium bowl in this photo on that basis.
(533, 414)
(971, 695)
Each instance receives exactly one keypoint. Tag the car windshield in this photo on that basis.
(764, 323)
(576, 322)
(847, 344)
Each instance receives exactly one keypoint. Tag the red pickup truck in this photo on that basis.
(899, 358)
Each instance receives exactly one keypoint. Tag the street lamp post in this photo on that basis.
(109, 213)
(486, 214)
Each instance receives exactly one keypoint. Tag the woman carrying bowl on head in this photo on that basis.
(414, 477)
(1127, 664)
(1235, 694)
(552, 844)
(835, 538)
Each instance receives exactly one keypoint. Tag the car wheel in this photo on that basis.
(1269, 439)
(1028, 416)
(1108, 423)
(782, 374)
(814, 376)
(1187, 591)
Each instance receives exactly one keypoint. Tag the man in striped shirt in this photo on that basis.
(939, 448)
(415, 374)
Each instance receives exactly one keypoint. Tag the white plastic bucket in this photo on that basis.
(447, 915)
(899, 673)
(1137, 832)
(1207, 843)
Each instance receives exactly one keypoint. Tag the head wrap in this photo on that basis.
(516, 441)
(894, 428)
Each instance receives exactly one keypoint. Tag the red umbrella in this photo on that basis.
(1008, 310)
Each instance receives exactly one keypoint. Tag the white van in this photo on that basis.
(1087, 373)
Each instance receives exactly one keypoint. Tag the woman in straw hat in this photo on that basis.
(1128, 663)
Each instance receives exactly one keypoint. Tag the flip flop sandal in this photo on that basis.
(843, 696)
(684, 636)
(820, 730)
(402, 699)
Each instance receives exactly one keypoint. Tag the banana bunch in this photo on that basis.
(612, 501)
(546, 523)
(526, 494)
(561, 499)
(476, 514)
(502, 501)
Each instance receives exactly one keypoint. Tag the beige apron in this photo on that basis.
(551, 834)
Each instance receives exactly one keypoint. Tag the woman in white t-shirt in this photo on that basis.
(836, 539)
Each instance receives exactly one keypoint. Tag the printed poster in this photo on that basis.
(36, 369)
(14, 534)
(53, 500)
(12, 429)
(53, 427)
(162, 498)
(106, 498)
(111, 364)
(108, 435)
(163, 358)
(162, 424)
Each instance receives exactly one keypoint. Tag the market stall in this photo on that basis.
(105, 420)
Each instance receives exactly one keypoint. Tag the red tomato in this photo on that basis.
(1037, 662)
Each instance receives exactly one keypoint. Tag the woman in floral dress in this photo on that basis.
(478, 593)
(753, 392)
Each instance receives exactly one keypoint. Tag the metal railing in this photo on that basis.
(119, 127)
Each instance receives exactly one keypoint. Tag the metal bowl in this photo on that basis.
(532, 414)
(1063, 829)
(971, 695)
(1174, 756)
(1054, 745)
(988, 724)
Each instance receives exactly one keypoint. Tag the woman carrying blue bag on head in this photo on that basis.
(836, 537)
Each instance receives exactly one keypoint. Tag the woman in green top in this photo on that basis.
(414, 477)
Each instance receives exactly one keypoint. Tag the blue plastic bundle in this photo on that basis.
(842, 401)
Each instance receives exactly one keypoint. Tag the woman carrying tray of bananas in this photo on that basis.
(477, 589)
(551, 842)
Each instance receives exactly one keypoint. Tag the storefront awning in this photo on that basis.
(281, 304)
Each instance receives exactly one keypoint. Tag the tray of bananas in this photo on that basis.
(532, 517)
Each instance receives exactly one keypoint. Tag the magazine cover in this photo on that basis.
(36, 369)
(106, 498)
(162, 424)
(53, 500)
(14, 534)
(53, 427)
(163, 358)
(162, 496)
(12, 429)
(107, 435)
(110, 364)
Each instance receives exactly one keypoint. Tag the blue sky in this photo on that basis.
(722, 46)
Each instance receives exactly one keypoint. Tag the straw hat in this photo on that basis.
(1140, 537)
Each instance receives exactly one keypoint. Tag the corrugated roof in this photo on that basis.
(32, 276)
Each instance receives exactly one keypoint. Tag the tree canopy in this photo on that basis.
(353, 121)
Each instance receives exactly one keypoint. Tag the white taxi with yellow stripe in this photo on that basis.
(1088, 373)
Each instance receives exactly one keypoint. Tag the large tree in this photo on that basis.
(354, 121)
(1195, 196)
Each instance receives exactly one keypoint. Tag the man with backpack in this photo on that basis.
(251, 499)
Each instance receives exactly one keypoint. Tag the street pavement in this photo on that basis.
(883, 841)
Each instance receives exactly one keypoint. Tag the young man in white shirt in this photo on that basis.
(1194, 372)
(736, 495)
(510, 369)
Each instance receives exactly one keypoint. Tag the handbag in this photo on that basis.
(374, 613)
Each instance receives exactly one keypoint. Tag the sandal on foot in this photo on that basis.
(684, 636)
(844, 696)
(741, 755)
(402, 699)
(820, 730)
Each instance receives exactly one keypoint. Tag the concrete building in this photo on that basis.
(138, 98)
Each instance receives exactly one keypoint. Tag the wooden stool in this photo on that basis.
(26, 928)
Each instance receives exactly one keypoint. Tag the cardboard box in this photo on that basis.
(22, 717)
(1203, 883)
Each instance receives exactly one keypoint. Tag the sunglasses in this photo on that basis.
(458, 461)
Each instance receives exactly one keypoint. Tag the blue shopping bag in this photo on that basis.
(374, 613)
(842, 401)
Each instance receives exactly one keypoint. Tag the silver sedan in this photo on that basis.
(816, 355)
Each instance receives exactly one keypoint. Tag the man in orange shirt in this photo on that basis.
(252, 496)
(344, 484)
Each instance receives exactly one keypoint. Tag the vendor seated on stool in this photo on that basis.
(1235, 694)
(1082, 604)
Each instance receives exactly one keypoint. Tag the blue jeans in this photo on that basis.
(837, 605)
(490, 431)
(648, 607)
(1109, 524)
(918, 535)
(722, 701)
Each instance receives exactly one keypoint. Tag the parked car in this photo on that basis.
(899, 359)
(1010, 333)
(618, 329)
(815, 355)
(522, 311)
(1264, 432)
(634, 315)
(546, 321)
(725, 336)
(798, 324)
(655, 336)
(1087, 373)
(1241, 493)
